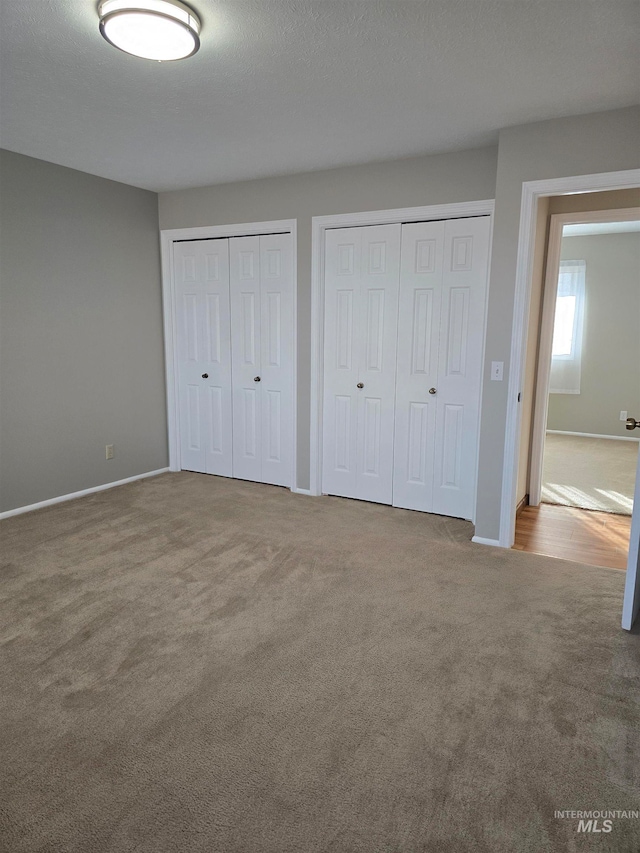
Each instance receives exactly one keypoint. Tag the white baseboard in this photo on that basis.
(480, 540)
(594, 435)
(21, 509)
(298, 491)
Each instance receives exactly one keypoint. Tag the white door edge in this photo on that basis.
(167, 239)
(631, 602)
(531, 192)
(320, 225)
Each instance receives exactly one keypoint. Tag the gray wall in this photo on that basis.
(81, 351)
(610, 376)
(440, 179)
(579, 145)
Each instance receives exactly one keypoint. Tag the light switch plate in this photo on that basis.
(496, 371)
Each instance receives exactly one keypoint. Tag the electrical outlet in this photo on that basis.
(109, 451)
(623, 416)
(496, 371)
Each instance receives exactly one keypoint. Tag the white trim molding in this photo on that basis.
(320, 225)
(480, 540)
(73, 495)
(593, 435)
(212, 232)
(531, 192)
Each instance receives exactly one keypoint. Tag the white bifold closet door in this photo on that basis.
(441, 322)
(362, 267)
(201, 274)
(403, 346)
(261, 278)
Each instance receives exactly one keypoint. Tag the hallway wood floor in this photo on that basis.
(596, 538)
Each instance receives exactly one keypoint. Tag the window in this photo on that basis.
(564, 327)
(566, 350)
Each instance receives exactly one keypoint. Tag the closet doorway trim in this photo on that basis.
(168, 238)
(320, 225)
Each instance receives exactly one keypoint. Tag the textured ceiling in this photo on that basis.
(282, 86)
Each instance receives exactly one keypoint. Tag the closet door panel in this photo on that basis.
(277, 358)
(464, 288)
(376, 322)
(342, 301)
(217, 341)
(190, 358)
(201, 270)
(244, 275)
(417, 369)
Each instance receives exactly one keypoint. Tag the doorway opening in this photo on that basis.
(578, 456)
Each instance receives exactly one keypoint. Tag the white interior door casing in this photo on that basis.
(362, 267)
(201, 270)
(261, 284)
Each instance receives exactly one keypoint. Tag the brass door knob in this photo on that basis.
(205, 375)
(432, 390)
(632, 423)
(256, 379)
(360, 385)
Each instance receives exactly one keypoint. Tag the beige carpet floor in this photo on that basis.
(196, 665)
(592, 473)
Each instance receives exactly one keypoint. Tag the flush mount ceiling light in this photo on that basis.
(163, 30)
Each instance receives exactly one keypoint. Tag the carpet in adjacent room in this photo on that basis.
(592, 473)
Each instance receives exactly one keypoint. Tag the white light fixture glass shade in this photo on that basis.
(163, 30)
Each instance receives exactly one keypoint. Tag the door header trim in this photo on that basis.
(213, 232)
